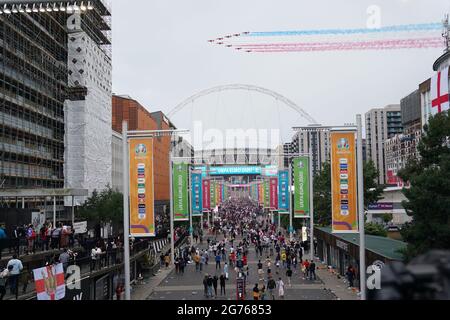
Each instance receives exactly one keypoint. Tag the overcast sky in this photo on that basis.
(161, 56)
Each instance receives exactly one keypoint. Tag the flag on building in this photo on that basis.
(440, 92)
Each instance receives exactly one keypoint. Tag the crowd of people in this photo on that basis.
(27, 239)
(238, 226)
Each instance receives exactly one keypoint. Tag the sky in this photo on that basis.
(161, 57)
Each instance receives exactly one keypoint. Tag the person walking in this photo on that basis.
(262, 293)
(256, 292)
(350, 276)
(222, 284)
(218, 259)
(202, 262)
(305, 269)
(280, 288)
(225, 270)
(289, 275)
(15, 267)
(209, 282)
(271, 284)
(64, 258)
(312, 271)
(197, 262)
(215, 282)
(167, 260)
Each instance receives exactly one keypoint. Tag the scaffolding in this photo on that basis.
(33, 89)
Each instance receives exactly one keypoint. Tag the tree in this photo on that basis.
(322, 196)
(429, 192)
(372, 190)
(106, 206)
(387, 217)
(375, 229)
(322, 191)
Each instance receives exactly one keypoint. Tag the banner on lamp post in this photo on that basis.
(266, 194)
(180, 192)
(273, 193)
(213, 194)
(197, 208)
(343, 182)
(283, 192)
(301, 187)
(142, 218)
(206, 194)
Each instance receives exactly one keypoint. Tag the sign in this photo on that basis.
(180, 192)
(342, 245)
(283, 190)
(215, 171)
(206, 194)
(38, 219)
(301, 187)
(304, 234)
(382, 206)
(142, 218)
(343, 182)
(80, 227)
(196, 186)
(240, 288)
(49, 282)
(273, 193)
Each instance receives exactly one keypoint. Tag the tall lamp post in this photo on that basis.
(126, 135)
(359, 159)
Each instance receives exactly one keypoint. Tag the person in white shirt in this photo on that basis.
(94, 257)
(15, 267)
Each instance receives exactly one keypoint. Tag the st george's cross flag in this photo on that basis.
(439, 92)
(49, 282)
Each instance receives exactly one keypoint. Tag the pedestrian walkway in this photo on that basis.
(337, 286)
(144, 290)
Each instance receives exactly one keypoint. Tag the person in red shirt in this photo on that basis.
(305, 269)
(244, 260)
(232, 258)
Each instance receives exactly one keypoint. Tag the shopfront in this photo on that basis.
(339, 251)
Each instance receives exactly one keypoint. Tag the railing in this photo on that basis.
(106, 261)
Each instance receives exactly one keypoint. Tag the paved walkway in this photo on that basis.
(337, 286)
(168, 285)
(141, 291)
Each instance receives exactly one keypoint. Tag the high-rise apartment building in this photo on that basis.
(381, 124)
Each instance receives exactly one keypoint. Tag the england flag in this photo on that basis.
(439, 92)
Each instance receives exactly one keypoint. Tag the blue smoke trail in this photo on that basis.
(399, 28)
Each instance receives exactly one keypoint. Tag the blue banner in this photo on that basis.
(197, 202)
(214, 171)
(283, 190)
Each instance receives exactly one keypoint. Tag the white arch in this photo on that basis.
(230, 87)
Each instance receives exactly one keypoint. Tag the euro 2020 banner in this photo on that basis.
(343, 182)
(301, 187)
(206, 194)
(196, 186)
(180, 192)
(142, 217)
(283, 192)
